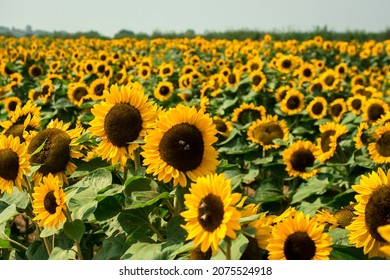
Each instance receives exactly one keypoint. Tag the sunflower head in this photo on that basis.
(327, 142)
(293, 103)
(211, 213)
(317, 108)
(299, 238)
(121, 119)
(49, 202)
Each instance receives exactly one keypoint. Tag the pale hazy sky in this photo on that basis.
(110, 16)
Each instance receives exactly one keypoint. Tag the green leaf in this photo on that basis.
(112, 248)
(59, 253)
(39, 148)
(85, 167)
(145, 198)
(19, 199)
(175, 233)
(8, 213)
(312, 186)
(339, 236)
(238, 247)
(83, 204)
(74, 230)
(341, 252)
(4, 244)
(96, 180)
(311, 207)
(37, 251)
(150, 251)
(268, 192)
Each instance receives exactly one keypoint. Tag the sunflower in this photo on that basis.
(185, 81)
(374, 109)
(77, 92)
(372, 210)
(337, 109)
(341, 69)
(265, 130)
(14, 163)
(299, 158)
(384, 231)
(248, 113)
(122, 118)
(263, 226)
(211, 213)
(53, 148)
(97, 88)
(316, 85)
(286, 63)
(166, 70)
(11, 103)
(293, 103)
(317, 107)
(49, 202)
(223, 126)
(361, 136)
(144, 72)
(181, 145)
(358, 80)
(255, 64)
(356, 103)
(307, 72)
(233, 79)
(380, 149)
(120, 76)
(258, 80)
(163, 91)
(281, 92)
(35, 71)
(299, 238)
(23, 122)
(327, 142)
(330, 79)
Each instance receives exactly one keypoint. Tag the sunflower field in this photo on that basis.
(178, 149)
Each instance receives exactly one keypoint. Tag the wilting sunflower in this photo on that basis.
(97, 88)
(181, 146)
(374, 109)
(53, 148)
(265, 130)
(14, 163)
(223, 126)
(356, 103)
(258, 80)
(211, 213)
(327, 142)
(299, 158)
(77, 92)
(11, 103)
(248, 113)
(299, 238)
(380, 149)
(49, 202)
(384, 231)
(163, 91)
(337, 109)
(372, 210)
(317, 107)
(122, 118)
(23, 122)
(361, 138)
(293, 103)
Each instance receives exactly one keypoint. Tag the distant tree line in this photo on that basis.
(239, 34)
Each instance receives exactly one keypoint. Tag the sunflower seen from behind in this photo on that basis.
(180, 146)
(211, 214)
(297, 237)
(122, 118)
(372, 210)
(14, 163)
(49, 202)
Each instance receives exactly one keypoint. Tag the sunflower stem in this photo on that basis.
(125, 171)
(228, 253)
(159, 236)
(69, 218)
(17, 244)
(137, 159)
(170, 207)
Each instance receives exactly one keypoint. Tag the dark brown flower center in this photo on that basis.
(286, 64)
(326, 140)
(53, 149)
(293, 102)
(12, 105)
(182, 147)
(210, 212)
(336, 110)
(299, 246)
(36, 71)
(356, 104)
(383, 145)
(301, 159)
(50, 202)
(9, 164)
(79, 93)
(329, 80)
(248, 116)
(220, 125)
(377, 212)
(256, 80)
(99, 89)
(345, 215)
(307, 72)
(164, 90)
(232, 79)
(375, 111)
(122, 124)
(317, 108)
(267, 132)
